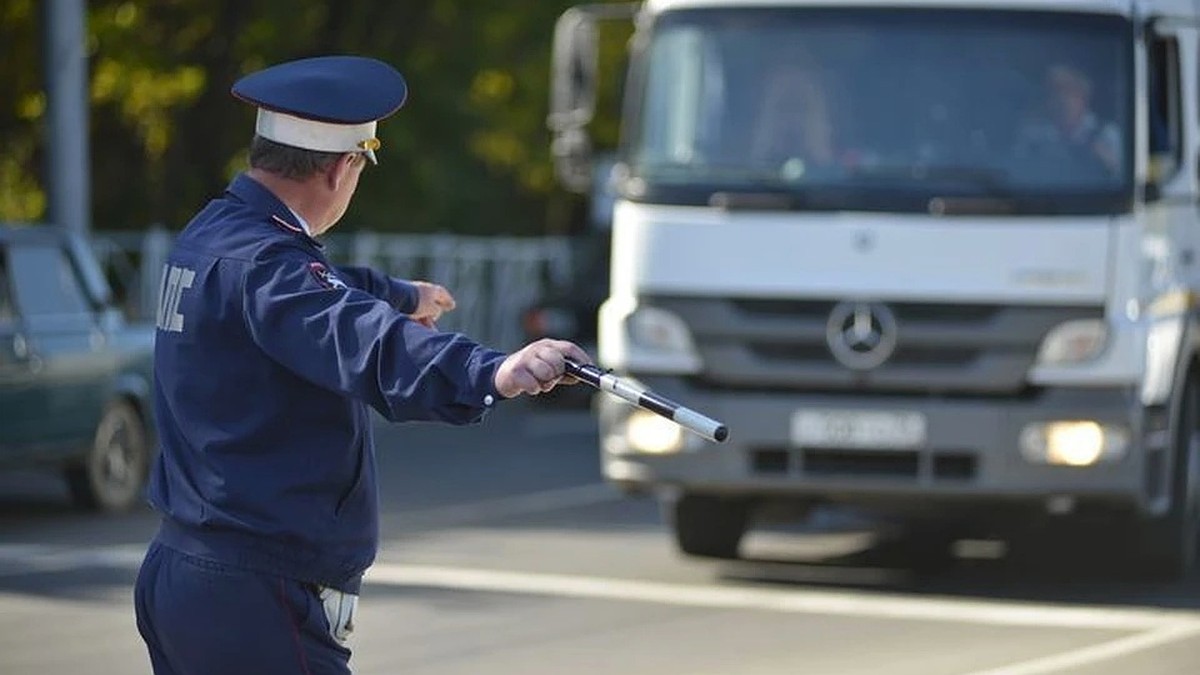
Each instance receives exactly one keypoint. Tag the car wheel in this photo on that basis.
(708, 526)
(113, 472)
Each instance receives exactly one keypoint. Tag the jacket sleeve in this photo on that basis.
(398, 293)
(346, 340)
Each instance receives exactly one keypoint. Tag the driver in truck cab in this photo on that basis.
(794, 120)
(1069, 133)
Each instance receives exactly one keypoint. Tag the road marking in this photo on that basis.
(868, 605)
(507, 507)
(1100, 653)
(20, 559)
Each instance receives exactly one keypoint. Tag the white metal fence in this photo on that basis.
(492, 278)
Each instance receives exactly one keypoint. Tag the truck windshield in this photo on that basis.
(885, 109)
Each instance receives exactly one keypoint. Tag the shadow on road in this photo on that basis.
(1043, 571)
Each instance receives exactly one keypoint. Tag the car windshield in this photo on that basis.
(849, 107)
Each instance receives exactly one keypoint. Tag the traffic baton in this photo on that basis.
(702, 425)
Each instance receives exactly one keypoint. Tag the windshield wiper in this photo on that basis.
(991, 179)
(753, 201)
(994, 193)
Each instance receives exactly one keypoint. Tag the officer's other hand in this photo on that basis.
(433, 301)
(538, 367)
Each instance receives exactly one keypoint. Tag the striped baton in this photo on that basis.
(689, 419)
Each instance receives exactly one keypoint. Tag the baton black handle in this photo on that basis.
(701, 425)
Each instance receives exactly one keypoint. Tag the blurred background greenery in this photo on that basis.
(467, 154)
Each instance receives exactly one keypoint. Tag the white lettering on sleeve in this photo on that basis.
(175, 281)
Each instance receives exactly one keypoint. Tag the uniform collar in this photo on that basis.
(300, 219)
(264, 201)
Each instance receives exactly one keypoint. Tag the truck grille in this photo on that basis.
(939, 348)
(940, 466)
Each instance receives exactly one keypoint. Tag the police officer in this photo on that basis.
(266, 360)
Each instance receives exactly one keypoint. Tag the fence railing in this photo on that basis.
(492, 278)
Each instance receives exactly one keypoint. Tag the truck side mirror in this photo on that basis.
(573, 96)
(573, 87)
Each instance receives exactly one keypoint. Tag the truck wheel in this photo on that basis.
(113, 472)
(1174, 539)
(710, 527)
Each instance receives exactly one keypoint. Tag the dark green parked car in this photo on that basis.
(75, 376)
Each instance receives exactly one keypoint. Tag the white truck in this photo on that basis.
(932, 258)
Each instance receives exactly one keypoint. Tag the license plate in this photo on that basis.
(865, 429)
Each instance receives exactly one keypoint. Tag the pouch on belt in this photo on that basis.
(339, 611)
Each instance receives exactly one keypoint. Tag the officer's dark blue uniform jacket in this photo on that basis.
(266, 359)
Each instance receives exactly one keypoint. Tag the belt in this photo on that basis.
(260, 554)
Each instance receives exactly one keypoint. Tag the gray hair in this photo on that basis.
(286, 161)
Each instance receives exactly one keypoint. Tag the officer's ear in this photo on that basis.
(341, 170)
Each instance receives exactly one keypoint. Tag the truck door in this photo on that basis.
(62, 331)
(1171, 51)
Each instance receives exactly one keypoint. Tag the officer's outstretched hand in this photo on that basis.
(537, 367)
(433, 301)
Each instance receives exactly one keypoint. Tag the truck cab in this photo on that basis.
(75, 377)
(929, 259)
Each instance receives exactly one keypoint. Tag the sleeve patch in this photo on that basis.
(325, 277)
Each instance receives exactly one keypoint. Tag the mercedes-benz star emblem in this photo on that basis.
(861, 335)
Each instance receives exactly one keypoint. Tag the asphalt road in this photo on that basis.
(503, 553)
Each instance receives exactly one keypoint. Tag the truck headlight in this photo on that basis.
(1072, 442)
(658, 329)
(645, 339)
(650, 433)
(1073, 342)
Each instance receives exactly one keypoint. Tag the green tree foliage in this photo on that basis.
(468, 152)
(22, 106)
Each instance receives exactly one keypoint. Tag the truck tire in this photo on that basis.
(1172, 542)
(112, 474)
(708, 526)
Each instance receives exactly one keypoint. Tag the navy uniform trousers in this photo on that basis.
(200, 617)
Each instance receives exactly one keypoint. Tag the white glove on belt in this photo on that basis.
(339, 611)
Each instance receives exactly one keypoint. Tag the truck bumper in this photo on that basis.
(972, 452)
